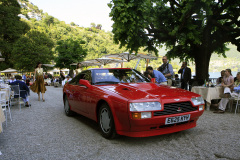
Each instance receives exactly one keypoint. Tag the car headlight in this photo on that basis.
(145, 106)
(197, 101)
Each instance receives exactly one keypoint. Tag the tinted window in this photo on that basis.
(111, 76)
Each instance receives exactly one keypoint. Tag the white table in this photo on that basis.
(2, 118)
(7, 90)
(208, 93)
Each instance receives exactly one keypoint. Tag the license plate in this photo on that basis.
(177, 119)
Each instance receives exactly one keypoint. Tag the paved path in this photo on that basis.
(44, 132)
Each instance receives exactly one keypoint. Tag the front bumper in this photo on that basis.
(156, 125)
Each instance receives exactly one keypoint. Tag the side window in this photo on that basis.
(75, 80)
(84, 75)
(88, 76)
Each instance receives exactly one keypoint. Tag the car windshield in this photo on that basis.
(113, 76)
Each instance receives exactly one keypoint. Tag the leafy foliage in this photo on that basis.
(31, 48)
(191, 30)
(11, 28)
(139, 25)
(69, 51)
(47, 34)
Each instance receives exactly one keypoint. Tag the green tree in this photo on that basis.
(191, 29)
(11, 28)
(48, 20)
(72, 24)
(69, 51)
(99, 43)
(32, 48)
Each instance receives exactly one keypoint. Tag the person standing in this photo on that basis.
(78, 69)
(167, 70)
(156, 74)
(62, 77)
(185, 75)
(38, 86)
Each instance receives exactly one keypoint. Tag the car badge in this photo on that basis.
(176, 99)
(179, 109)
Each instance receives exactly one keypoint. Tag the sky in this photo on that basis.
(81, 12)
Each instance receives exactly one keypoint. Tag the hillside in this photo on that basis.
(231, 61)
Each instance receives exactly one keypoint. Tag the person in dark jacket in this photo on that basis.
(24, 90)
(62, 77)
(185, 75)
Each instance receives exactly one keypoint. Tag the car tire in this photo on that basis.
(106, 122)
(67, 109)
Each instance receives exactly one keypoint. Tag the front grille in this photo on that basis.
(172, 108)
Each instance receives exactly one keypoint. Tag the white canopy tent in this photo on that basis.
(9, 70)
(131, 56)
(98, 62)
(88, 63)
(105, 61)
(48, 65)
(123, 56)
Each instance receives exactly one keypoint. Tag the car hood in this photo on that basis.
(143, 91)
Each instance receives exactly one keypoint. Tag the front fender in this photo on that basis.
(119, 109)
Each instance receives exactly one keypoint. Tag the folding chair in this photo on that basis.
(16, 95)
(5, 105)
(236, 97)
(237, 104)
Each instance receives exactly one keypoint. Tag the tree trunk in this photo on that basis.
(203, 54)
(202, 59)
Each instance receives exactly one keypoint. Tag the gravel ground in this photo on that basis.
(44, 132)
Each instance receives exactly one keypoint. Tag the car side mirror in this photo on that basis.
(85, 83)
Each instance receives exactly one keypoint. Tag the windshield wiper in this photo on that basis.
(112, 82)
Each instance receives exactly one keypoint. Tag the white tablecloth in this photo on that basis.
(6, 90)
(4, 93)
(208, 93)
(2, 118)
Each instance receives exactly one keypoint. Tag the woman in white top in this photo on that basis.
(228, 82)
(38, 86)
(78, 70)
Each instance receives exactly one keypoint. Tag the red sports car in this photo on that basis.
(125, 102)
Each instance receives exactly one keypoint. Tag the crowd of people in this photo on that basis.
(227, 81)
(165, 74)
(162, 75)
(38, 85)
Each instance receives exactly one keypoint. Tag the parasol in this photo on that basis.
(123, 56)
(9, 70)
(48, 65)
(105, 61)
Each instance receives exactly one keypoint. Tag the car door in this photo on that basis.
(72, 93)
(83, 94)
